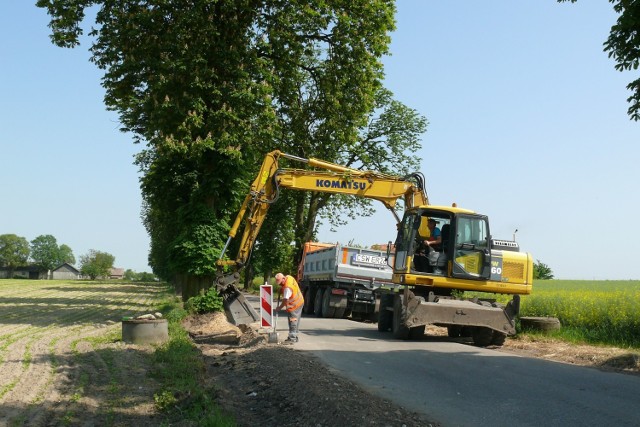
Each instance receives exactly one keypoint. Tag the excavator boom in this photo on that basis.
(331, 178)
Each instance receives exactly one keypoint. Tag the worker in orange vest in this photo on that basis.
(292, 301)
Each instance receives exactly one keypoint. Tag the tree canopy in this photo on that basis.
(211, 86)
(14, 251)
(542, 271)
(46, 253)
(623, 45)
(96, 264)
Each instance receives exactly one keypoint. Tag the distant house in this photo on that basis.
(116, 273)
(23, 272)
(65, 272)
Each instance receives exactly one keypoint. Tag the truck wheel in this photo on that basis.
(373, 317)
(309, 297)
(400, 330)
(327, 310)
(482, 336)
(385, 317)
(317, 302)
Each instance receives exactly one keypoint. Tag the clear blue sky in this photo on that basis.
(527, 120)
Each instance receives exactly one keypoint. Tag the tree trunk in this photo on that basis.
(249, 274)
(191, 286)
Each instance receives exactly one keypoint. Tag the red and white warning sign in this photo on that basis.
(266, 306)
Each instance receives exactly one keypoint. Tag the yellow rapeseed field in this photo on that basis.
(606, 312)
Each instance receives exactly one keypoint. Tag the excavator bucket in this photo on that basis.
(238, 310)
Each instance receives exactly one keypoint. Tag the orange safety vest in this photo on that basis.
(297, 300)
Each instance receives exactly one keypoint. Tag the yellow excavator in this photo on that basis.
(432, 265)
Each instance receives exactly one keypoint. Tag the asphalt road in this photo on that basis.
(458, 384)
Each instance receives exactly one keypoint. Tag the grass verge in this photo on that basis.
(179, 368)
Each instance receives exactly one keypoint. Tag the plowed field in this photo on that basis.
(61, 358)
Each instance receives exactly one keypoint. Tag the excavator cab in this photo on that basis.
(463, 251)
(467, 258)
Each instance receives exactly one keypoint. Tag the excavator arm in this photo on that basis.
(326, 177)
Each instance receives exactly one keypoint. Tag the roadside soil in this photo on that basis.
(273, 384)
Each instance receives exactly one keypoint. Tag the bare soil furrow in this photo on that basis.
(61, 361)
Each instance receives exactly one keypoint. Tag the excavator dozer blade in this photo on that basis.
(238, 310)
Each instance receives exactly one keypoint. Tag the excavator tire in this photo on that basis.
(417, 332)
(482, 336)
(385, 317)
(498, 338)
(454, 331)
(400, 330)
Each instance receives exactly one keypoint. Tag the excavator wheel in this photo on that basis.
(482, 336)
(454, 331)
(417, 332)
(400, 330)
(385, 317)
(498, 338)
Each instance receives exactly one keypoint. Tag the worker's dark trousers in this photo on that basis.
(294, 323)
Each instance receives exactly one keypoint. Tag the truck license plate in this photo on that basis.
(370, 259)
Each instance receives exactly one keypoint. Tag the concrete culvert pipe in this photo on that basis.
(140, 331)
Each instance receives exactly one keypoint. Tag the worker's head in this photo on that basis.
(280, 279)
(431, 223)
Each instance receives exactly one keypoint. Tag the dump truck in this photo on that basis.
(431, 275)
(341, 281)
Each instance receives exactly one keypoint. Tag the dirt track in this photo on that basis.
(57, 368)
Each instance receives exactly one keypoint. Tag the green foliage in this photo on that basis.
(130, 275)
(178, 367)
(542, 271)
(46, 253)
(66, 255)
(623, 45)
(14, 250)
(164, 400)
(146, 277)
(96, 264)
(133, 276)
(210, 87)
(209, 302)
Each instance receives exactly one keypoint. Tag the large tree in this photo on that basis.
(14, 251)
(66, 255)
(46, 253)
(211, 86)
(623, 45)
(96, 264)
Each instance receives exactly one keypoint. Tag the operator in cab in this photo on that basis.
(435, 237)
(292, 302)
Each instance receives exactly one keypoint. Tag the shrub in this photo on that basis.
(207, 303)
